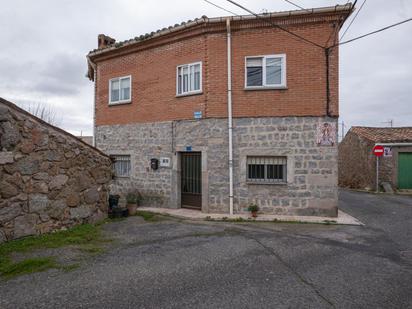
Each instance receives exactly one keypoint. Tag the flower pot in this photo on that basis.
(132, 208)
(254, 214)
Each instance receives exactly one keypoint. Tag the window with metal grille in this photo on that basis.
(121, 165)
(266, 169)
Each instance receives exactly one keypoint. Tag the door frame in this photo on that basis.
(177, 177)
(399, 153)
(191, 160)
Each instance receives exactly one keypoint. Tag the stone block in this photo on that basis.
(40, 187)
(41, 176)
(10, 212)
(84, 181)
(11, 135)
(101, 175)
(25, 225)
(57, 209)
(54, 156)
(27, 147)
(91, 195)
(39, 136)
(57, 182)
(73, 199)
(4, 113)
(8, 190)
(6, 157)
(28, 165)
(38, 203)
(2, 234)
(81, 212)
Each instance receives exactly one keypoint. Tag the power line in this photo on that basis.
(373, 32)
(338, 25)
(298, 6)
(222, 8)
(356, 15)
(275, 25)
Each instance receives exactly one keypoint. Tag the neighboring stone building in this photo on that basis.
(86, 139)
(49, 179)
(357, 163)
(162, 110)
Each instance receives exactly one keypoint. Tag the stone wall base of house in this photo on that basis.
(311, 184)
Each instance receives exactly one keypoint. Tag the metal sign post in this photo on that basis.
(378, 151)
(377, 174)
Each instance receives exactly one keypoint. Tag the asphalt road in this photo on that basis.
(181, 264)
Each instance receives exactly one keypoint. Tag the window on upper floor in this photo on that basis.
(189, 79)
(120, 90)
(265, 72)
(266, 169)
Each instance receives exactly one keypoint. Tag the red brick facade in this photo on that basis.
(152, 65)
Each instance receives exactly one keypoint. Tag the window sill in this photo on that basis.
(120, 103)
(266, 88)
(266, 183)
(189, 94)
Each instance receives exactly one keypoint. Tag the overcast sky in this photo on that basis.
(44, 43)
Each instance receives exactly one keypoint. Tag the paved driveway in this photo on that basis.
(181, 264)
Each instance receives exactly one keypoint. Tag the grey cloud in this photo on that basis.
(62, 74)
(45, 43)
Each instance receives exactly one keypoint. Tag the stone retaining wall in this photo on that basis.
(311, 187)
(49, 180)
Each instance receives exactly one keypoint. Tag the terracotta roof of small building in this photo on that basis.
(384, 135)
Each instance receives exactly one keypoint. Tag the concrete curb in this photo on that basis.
(189, 214)
(400, 193)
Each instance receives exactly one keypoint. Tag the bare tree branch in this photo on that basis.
(43, 111)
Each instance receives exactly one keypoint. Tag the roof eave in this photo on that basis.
(347, 8)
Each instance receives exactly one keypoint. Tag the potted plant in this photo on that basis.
(253, 208)
(131, 200)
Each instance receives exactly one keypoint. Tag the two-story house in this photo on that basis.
(220, 113)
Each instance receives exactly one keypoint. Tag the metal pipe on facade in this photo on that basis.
(229, 113)
(394, 144)
(327, 53)
(94, 66)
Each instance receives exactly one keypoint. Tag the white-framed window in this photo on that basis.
(120, 90)
(266, 169)
(189, 78)
(121, 165)
(267, 71)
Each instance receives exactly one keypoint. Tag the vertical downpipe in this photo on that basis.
(94, 66)
(327, 53)
(229, 114)
(94, 107)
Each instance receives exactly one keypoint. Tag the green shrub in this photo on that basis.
(253, 208)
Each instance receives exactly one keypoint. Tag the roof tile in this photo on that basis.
(384, 135)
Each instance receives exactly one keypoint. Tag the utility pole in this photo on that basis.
(390, 122)
(342, 130)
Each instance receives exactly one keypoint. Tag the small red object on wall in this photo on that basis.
(378, 150)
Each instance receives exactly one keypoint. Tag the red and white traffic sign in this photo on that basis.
(378, 150)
